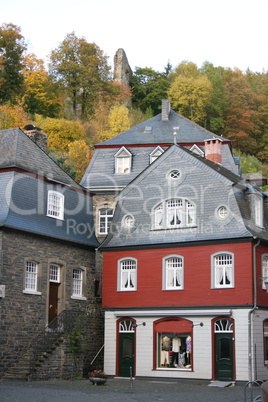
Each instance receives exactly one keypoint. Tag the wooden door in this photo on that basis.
(224, 356)
(53, 301)
(126, 354)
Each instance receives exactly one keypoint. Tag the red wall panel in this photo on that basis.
(197, 278)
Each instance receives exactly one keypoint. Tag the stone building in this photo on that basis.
(51, 319)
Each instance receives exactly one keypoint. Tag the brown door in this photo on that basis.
(53, 301)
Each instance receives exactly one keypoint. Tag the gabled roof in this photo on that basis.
(19, 151)
(203, 183)
(161, 132)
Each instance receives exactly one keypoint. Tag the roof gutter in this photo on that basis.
(250, 346)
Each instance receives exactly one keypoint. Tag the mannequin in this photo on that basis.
(165, 351)
(176, 344)
(188, 348)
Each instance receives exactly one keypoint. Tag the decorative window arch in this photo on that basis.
(127, 274)
(174, 213)
(156, 153)
(222, 270)
(123, 160)
(173, 272)
(224, 325)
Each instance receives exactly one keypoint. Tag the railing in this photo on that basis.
(63, 324)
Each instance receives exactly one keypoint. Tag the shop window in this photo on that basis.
(174, 349)
(173, 273)
(223, 270)
(174, 213)
(127, 275)
(265, 341)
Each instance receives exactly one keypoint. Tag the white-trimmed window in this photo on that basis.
(31, 272)
(223, 270)
(156, 153)
(55, 204)
(174, 213)
(127, 274)
(173, 272)
(264, 270)
(123, 161)
(258, 210)
(54, 273)
(105, 219)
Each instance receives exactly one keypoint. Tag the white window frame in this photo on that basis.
(264, 265)
(265, 340)
(173, 271)
(55, 205)
(156, 153)
(105, 220)
(174, 213)
(78, 284)
(222, 268)
(123, 159)
(54, 273)
(258, 210)
(127, 274)
(31, 277)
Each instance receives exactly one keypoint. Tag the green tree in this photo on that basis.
(149, 87)
(83, 71)
(12, 47)
(41, 94)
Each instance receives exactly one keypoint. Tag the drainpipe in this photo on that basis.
(252, 310)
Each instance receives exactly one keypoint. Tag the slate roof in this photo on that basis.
(23, 196)
(162, 132)
(206, 184)
(21, 152)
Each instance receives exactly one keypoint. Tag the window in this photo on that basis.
(196, 150)
(174, 174)
(173, 273)
(31, 276)
(265, 341)
(175, 213)
(77, 282)
(155, 154)
(127, 275)
(222, 212)
(128, 221)
(105, 219)
(258, 210)
(123, 161)
(55, 205)
(54, 273)
(223, 270)
(264, 270)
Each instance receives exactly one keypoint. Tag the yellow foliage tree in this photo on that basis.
(118, 122)
(12, 116)
(61, 132)
(79, 156)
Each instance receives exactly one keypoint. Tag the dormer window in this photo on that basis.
(156, 153)
(123, 161)
(55, 205)
(174, 213)
(196, 150)
(258, 210)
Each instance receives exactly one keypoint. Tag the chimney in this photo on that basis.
(213, 150)
(36, 136)
(165, 109)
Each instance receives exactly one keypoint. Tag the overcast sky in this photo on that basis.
(227, 33)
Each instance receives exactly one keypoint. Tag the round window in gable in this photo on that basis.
(222, 212)
(174, 174)
(129, 221)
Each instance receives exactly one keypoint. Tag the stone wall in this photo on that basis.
(23, 315)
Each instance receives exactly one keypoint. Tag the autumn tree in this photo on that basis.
(118, 122)
(82, 69)
(79, 156)
(12, 116)
(12, 47)
(60, 132)
(41, 94)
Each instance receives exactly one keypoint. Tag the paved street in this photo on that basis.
(119, 389)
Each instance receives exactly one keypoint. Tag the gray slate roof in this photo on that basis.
(204, 183)
(23, 196)
(18, 150)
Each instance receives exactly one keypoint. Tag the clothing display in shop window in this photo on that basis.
(166, 343)
(176, 344)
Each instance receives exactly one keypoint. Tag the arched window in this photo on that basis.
(174, 213)
(222, 270)
(127, 274)
(173, 273)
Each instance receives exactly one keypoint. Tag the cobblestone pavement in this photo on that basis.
(115, 390)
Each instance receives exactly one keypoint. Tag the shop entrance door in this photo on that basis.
(126, 349)
(224, 350)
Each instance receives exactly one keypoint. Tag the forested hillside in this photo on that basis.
(75, 100)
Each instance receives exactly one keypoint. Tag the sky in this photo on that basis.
(227, 33)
